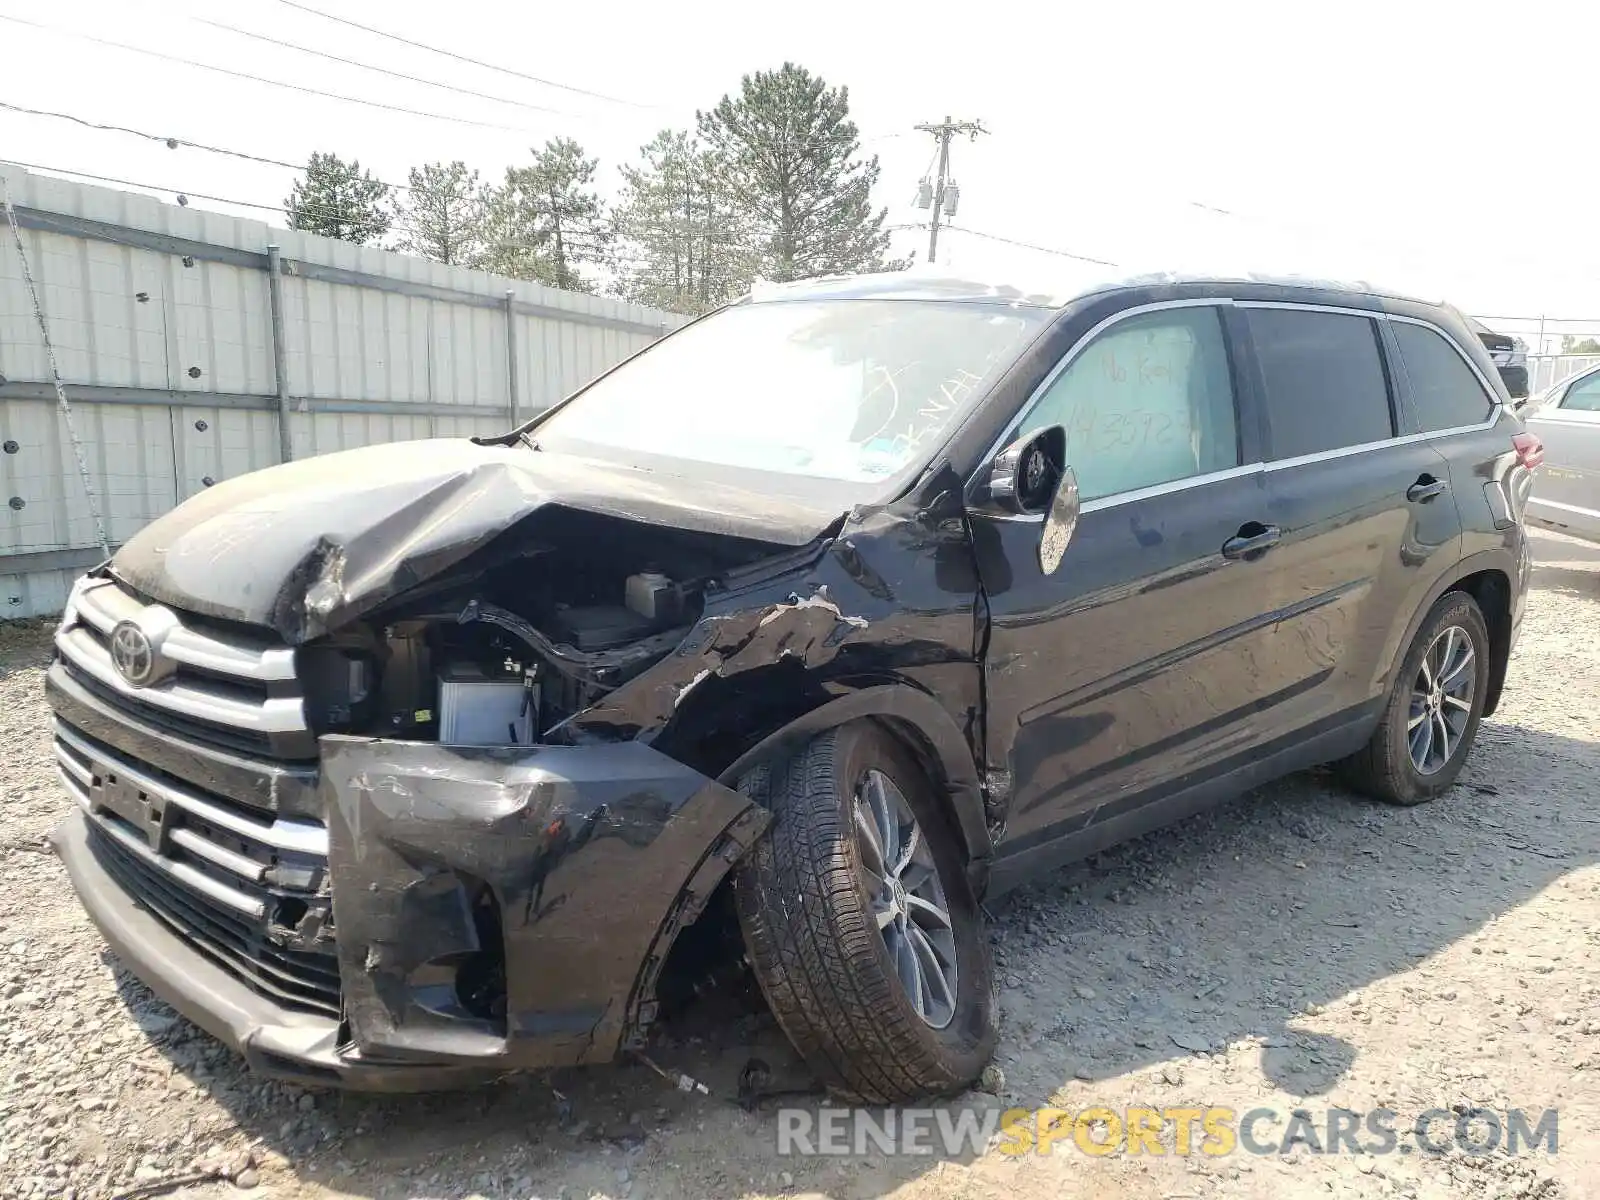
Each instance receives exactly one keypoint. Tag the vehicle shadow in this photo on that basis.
(1224, 928)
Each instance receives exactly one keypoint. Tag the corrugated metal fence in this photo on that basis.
(164, 330)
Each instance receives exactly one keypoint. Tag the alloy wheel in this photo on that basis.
(1441, 700)
(907, 897)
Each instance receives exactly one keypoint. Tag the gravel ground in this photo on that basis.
(1295, 949)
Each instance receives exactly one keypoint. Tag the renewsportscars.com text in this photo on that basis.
(1175, 1130)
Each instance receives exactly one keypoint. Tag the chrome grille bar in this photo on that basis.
(103, 604)
(204, 665)
(298, 837)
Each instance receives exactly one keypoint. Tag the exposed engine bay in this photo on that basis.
(505, 651)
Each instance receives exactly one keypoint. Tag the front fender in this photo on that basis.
(924, 724)
(508, 905)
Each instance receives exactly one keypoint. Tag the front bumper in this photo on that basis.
(275, 1040)
(495, 909)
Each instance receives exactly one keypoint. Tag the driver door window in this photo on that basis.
(1149, 401)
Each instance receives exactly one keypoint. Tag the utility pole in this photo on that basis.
(943, 193)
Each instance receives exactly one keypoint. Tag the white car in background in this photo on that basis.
(1566, 492)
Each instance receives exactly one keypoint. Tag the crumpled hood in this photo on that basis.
(304, 547)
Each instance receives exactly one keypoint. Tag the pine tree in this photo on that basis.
(547, 219)
(683, 242)
(443, 217)
(790, 152)
(338, 199)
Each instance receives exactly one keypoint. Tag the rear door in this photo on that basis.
(1366, 516)
(1566, 491)
(1451, 403)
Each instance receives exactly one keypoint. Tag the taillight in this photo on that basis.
(1530, 450)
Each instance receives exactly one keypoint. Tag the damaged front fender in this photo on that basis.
(510, 906)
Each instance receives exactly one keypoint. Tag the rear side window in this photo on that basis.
(1583, 396)
(1446, 393)
(1324, 380)
(1149, 401)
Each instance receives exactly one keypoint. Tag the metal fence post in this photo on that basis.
(280, 367)
(511, 356)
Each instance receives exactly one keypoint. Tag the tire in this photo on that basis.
(1385, 768)
(813, 940)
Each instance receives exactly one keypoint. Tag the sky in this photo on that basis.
(1433, 148)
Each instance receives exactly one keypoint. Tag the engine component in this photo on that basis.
(600, 627)
(654, 597)
(480, 709)
(406, 690)
(338, 682)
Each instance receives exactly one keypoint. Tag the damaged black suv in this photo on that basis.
(831, 613)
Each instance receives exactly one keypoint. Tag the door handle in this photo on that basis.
(1426, 488)
(1252, 541)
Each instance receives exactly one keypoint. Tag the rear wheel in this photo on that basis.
(1431, 720)
(860, 924)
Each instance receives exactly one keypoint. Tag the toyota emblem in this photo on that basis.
(132, 654)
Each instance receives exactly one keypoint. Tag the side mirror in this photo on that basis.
(1031, 477)
(1023, 476)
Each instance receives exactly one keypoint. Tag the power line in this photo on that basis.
(488, 66)
(171, 143)
(576, 240)
(995, 237)
(351, 62)
(395, 37)
(315, 209)
(293, 87)
(174, 143)
(1551, 320)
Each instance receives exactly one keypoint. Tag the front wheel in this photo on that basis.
(860, 924)
(1431, 720)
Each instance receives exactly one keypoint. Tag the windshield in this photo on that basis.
(842, 390)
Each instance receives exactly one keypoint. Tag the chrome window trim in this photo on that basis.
(1268, 465)
(1302, 460)
(1067, 359)
(1339, 309)
(1149, 493)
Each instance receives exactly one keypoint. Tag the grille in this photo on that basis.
(164, 718)
(246, 888)
(234, 691)
(298, 980)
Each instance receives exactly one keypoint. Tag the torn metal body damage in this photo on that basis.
(490, 899)
(527, 688)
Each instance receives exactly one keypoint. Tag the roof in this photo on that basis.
(924, 283)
